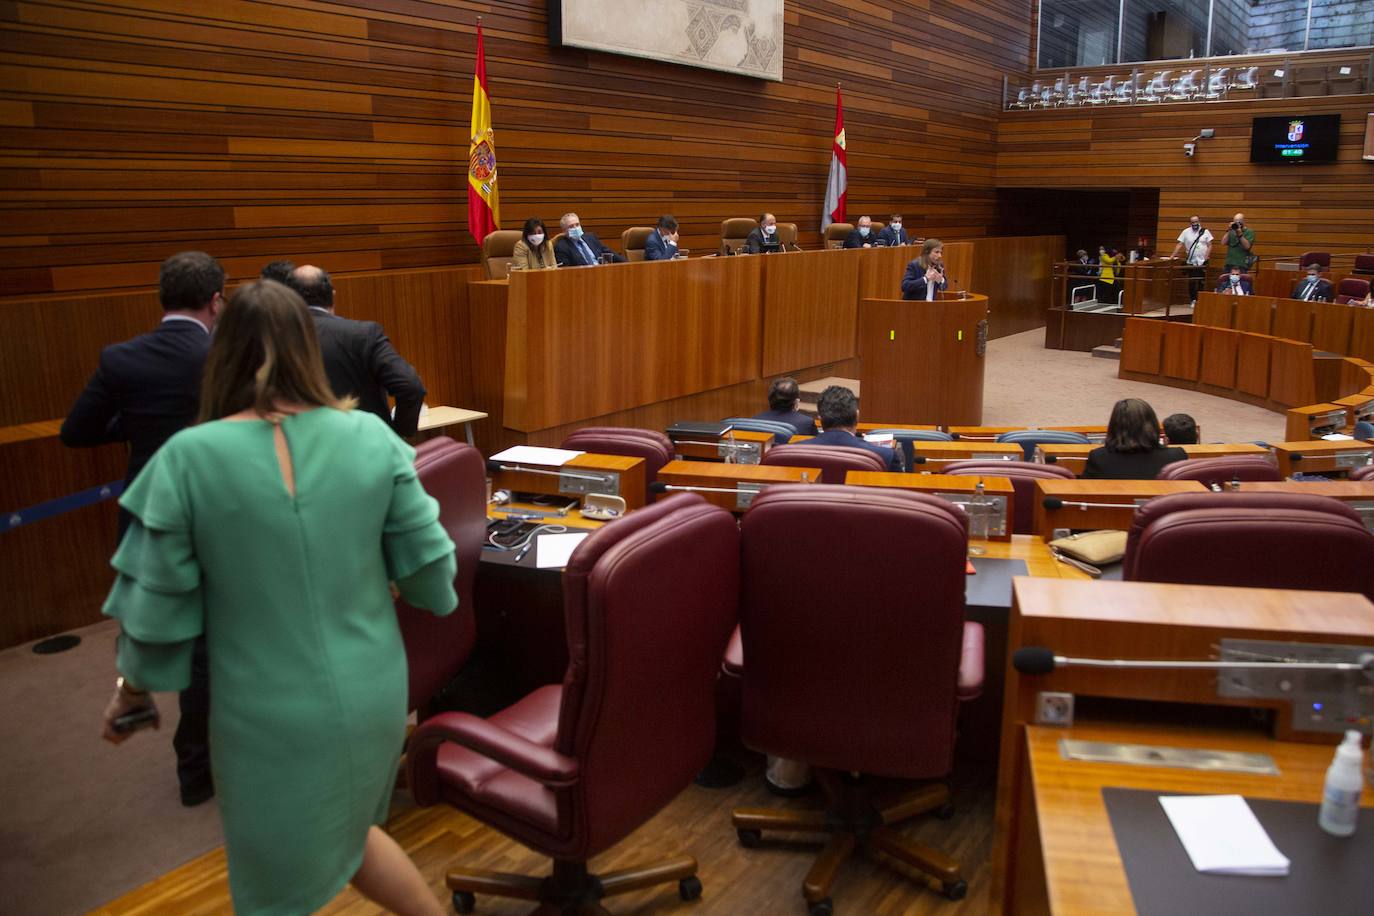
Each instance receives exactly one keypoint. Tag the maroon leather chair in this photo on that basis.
(1352, 289)
(437, 647)
(1320, 258)
(573, 768)
(835, 461)
(1022, 474)
(649, 444)
(1364, 473)
(1364, 264)
(1262, 540)
(1221, 471)
(858, 670)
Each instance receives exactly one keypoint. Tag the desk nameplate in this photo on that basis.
(1155, 755)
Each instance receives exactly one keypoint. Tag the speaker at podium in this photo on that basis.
(922, 362)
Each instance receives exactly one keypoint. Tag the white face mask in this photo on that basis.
(863, 231)
(1235, 279)
(575, 233)
(537, 239)
(896, 227)
(769, 230)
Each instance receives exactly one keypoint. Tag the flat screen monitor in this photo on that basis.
(1295, 138)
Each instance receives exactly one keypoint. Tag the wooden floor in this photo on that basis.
(765, 880)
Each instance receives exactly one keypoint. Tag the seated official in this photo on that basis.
(862, 235)
(925, 276)
(534, 251)
(893, 233)
(1132, 450)
(661, 245)
(579, 248)
(1314, 287)
(783, 397)
(764, 239)
(839, 412)
(1233, 283)
(1180, 429)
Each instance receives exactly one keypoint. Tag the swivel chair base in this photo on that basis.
(571, 890)
(852, 820)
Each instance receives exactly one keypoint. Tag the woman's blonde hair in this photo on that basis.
(929, 246)
(265, 351)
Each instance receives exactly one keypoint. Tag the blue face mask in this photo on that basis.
(863, 231)
(575, 233)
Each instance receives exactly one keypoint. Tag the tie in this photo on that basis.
(1311, 287)
(586, 252)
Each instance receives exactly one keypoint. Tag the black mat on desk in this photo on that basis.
(990, 586)
(1329, 876)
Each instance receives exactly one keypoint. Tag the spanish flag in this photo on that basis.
(484, 202)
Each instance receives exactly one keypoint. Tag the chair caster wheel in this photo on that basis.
(824, 907)
(956, 890)
(689, 888)
(945, 811)
(464, 902)
(749, 838)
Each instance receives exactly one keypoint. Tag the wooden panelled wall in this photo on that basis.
(336, 133)
(1291, 208)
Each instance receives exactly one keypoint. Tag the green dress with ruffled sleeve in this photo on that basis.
(307, 669)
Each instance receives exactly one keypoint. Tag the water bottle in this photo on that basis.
(1341, 794)
(978, 510)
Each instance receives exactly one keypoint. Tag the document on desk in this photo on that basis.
(532, 454)
(553, 550)
(1222, 836)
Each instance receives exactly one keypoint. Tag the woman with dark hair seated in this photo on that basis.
(1132, 450)
(534, 251)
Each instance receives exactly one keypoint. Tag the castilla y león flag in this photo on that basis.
(484, 202)
(839, 171)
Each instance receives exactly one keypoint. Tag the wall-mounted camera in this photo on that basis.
(1189, 149)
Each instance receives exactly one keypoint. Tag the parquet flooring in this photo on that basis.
(765, 880)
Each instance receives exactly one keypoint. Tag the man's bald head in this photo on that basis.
(313, 285)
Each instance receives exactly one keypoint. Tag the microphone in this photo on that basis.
(1038, 660)
(659, 486)
(496, 466)
(1054, 502)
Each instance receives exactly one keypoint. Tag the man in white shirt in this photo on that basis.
(1195, 245)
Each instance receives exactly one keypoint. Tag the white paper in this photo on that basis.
(1222, 835)
(553, 550)
(533, 454)
(1338, 437)
(879, 438)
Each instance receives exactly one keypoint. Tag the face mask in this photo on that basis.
(1235, 278)
(769, 230)
(1312, 275)
(863, 231)
(575, 233)
(896, 227)
(537, 239)
(1197, 226)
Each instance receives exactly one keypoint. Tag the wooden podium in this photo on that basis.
(922, 362)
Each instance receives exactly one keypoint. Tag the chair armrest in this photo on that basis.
(542, 764)
(971, 663)
(733, 662)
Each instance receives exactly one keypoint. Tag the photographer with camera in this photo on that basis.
(1240, 243)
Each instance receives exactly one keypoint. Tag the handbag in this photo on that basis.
(1095, 547)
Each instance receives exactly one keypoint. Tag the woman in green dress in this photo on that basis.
(275, 527)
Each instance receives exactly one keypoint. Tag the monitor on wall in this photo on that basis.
(1369, 137)
(1295, 138)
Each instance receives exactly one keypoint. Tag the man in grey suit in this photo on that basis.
(358, 358)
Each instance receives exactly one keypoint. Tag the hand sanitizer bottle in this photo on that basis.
(1341, 794)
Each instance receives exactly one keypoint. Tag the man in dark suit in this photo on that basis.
(1314, 287)
(579, 248)
(783, 397)
(358, 357)
(862, 235)
(143, 392)
(839, 413)
(1234, 283)
(893, 233)
(661, 245)
(764, 239)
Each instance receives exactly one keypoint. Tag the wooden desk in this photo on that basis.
(937, 454)
(748, 447)
(1075, 456)
(437, 418)
(956, 489)
(630, 471)
(1054, 850)
(1318, 456)
(729, 477)
(1120, 497)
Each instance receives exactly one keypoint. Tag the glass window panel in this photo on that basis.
(1278, 25)
(1230, 27)
(1164, 30)
(1077, 33)
(1341, 24)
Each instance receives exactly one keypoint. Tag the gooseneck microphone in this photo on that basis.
(659, 486)
(1038, 660)
(497, 466)
(1053, 503)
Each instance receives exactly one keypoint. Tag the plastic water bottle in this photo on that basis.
(978, 511)
(1341, 794)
